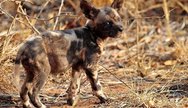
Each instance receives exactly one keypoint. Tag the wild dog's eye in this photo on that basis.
(108, 23)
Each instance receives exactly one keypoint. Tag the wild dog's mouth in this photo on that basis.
(109, 30)
(110, 33)
(115, 32)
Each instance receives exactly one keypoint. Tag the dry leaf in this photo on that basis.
(170, 62)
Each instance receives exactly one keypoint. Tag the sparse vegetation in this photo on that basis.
(146, 67)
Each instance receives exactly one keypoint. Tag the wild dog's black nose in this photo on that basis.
(120, 28)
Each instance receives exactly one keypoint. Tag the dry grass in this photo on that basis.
(148, 62)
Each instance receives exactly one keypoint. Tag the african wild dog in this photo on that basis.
(55, 51)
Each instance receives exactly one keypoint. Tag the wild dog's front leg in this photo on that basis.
(74, 87)
(95, 84)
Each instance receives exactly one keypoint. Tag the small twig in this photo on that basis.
(28, 21)
(182, 6)
(153, 17)
(20, 7)
(167, 16)
(112, 83)
(43, 8)
(7, 40)
(116, 76)
(65, 13)
(62, 1)
(74, 6)
(12, 17)
(150, 8)
(131, 89)
(61, 95)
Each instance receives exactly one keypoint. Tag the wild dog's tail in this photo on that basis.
(17, 66)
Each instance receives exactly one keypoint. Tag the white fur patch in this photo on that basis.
(71, 37)
(27, 103)
(43, 106)
(99, 93)
(55, 33)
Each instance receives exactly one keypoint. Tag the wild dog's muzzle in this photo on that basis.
(120, 28)
(115, 30)
(110, 29)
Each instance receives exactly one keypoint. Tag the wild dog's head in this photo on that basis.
(106, 22)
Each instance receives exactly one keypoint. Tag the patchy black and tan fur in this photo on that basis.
(55, 51)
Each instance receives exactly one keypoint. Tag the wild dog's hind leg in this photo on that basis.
(34, 94)
(74, 87)
(95, 84)
(42, 70)
(26, 87)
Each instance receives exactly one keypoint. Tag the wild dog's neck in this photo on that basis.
(96, 35)
(96, 32)
(96, 38)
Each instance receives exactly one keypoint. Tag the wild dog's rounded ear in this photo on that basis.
(89, 11)
(117, 4)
